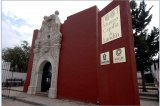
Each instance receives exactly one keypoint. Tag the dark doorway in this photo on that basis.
(46, 77)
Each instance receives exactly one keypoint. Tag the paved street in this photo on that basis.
(10, 102)
(23, 99)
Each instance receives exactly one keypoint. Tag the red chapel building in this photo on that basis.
(90, 57)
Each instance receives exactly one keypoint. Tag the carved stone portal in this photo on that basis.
(47, 48)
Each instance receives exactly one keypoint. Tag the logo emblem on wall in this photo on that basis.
(104, 56)
(118, 52)
(119, 55)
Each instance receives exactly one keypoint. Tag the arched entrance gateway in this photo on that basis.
(46, 57)
(46, 77)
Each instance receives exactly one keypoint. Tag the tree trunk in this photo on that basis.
(143, 82)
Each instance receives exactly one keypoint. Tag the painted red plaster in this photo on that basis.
(30, 62)
(77, 77)
(118, 82)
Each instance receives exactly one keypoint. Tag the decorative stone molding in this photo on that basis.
(46, 49)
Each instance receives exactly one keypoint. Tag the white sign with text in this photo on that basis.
(111, 25)
(119, 55)
(105, 58)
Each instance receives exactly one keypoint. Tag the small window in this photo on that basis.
(48, 36)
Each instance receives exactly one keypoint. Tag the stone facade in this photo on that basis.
(47, 49)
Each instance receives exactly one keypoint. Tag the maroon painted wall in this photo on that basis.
(118, 82)
(29, 68)
(77, 77)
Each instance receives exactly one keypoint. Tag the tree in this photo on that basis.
(18, 56)
(146, 44)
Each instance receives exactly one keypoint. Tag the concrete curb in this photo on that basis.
(24, 101)
(30, 102)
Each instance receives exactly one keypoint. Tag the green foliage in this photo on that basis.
(146, 44)
(18, 56)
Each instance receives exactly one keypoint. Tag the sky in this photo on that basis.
(20, 18)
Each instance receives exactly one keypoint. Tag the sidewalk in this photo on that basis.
(23, 99)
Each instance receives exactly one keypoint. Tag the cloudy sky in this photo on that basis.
(20, 18)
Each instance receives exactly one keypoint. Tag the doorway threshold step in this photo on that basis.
(45, 94)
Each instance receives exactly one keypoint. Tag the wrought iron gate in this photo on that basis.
(9, 80)
(151, 88)
(6, 74)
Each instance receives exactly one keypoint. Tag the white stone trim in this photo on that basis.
(47, 49)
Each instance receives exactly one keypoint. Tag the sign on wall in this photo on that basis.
(105, 58)
(119, 55)
(111, 25)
